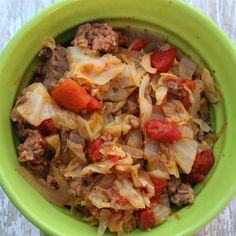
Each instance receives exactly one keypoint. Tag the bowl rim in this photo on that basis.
(4, 57)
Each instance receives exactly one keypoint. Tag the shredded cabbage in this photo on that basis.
(127, 190)
(187, 68)
(120, 125)
(197, 97)
(96, 71)
(211, 94)
(175, 110)
(135, 139)
(146, 64)
(114, 150)
(89, 129)
(103, 221)
(185, 151)
(134, 152)
(73, 169)
(161, 93)
(117, 94)
(77, 55)
(77, 150)
(99, 167)
(145, 104)
(39, 105)
(161, 213)
(203, 125)
(166, 155)
(186, 132)
(54, 141)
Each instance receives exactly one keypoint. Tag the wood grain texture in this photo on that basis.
(14, 14)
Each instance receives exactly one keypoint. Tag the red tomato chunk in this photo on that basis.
(162, 131)
(193, 178)
(201, 166)
(159, 185)
(73, 97)
(203, 162)
(47, 127)
(139, 44)
(122, 200)
(190, 84)
(186, 102)
(94, 149)
(147, 219)
(94, 104)
(162, 60)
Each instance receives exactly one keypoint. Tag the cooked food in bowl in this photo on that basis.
(116, 127)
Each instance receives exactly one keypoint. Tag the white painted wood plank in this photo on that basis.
(12, 222)
(223, 12)
(14, 13)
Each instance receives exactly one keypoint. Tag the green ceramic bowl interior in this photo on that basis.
(184, 27)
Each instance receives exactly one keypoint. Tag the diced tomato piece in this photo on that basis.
(155, 200)
(159, 185)
(94, 210)
(147, 219)
(201, 166)
(47, 127)
(193, 178)
(190, 84)
(122, 200)
(71, 96)
(162, 60)
(186, 102)
(94, 149)
(183, 96)
(203, 162)
(139, 44)
(114, 158)
(143, 191)
(94, 104)
(182, 84)
(162, 131)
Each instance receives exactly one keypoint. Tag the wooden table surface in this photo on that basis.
(14, 13)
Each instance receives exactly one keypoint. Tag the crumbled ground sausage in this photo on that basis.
(173, 185)
(39, 169)
(132, 103)
(180, 193)
(98, 37)
(55, 66)
(132, 107)
(33, 149)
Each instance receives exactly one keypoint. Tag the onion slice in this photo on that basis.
(145, 103)
(187, 68)
(146, 64)
(57, 197)
(185, 151)
(211, 94)
(161, 94)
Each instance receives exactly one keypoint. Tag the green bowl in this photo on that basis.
(183, 26)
